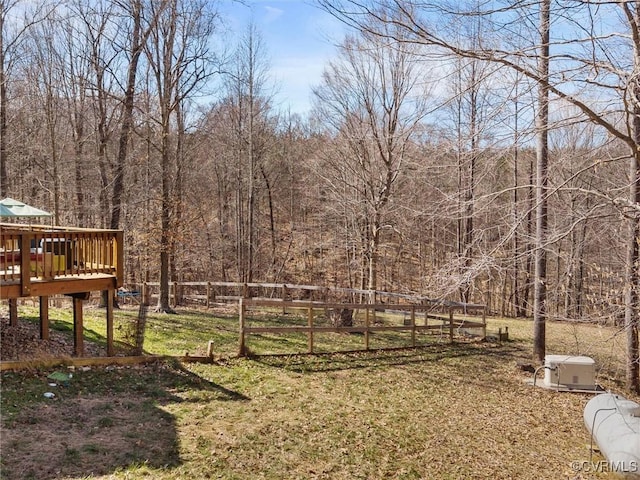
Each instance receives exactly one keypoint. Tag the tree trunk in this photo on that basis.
(126, 117)
(542, 158)
(272, 221)
(163, 297)
(632, 295)
(4, 187)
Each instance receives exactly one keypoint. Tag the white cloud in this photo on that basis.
(272, 14)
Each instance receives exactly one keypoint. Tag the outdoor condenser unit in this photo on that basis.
(568, 371)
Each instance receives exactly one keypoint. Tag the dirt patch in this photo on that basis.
(87, 436)
(23, 342)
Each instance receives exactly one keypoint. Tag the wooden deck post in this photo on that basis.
(119, 260)
(109, 309)
(44, 318)
(13, 312)
(25, 265)
(78, 328)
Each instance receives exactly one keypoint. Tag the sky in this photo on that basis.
(299, 38)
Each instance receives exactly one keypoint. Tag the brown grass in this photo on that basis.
(82, 436)
(443, 411)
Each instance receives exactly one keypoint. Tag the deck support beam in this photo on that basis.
(110, 297)
(13, 312)
(78, 327)
(44, 318)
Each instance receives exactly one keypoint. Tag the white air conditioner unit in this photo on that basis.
(568, 371)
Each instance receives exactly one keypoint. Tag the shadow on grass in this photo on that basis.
(191, 330)
(371, 359)
(106, 421)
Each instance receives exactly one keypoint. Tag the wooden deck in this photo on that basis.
(40, 261)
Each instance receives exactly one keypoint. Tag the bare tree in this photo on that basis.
(587, 59)
(16, 19)
(248, 105)
(46, 81)
(138, 36)
(373, 100)
(542, 182)
(179, 59)
(76, 92)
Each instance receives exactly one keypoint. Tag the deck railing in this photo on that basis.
(38, 253)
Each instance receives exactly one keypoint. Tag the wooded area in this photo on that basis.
(455, 151)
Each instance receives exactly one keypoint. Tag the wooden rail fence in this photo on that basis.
(448, 321)
(208, 293)
(317, 301)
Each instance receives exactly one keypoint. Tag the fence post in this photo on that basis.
(310, 321)
(484, 322)
(366, 328)
(450, 324)
(208, 294)
(413, 326)
(241, 312)
(285, 297)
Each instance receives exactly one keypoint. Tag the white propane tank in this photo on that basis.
(614, 423)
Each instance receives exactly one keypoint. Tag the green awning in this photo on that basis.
(13, 209)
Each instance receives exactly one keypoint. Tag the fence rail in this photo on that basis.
(438, 315)
(448, 320)
(209, 292)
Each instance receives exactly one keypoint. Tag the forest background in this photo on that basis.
(418, 170)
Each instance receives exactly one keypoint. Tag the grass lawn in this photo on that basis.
(441, 411)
